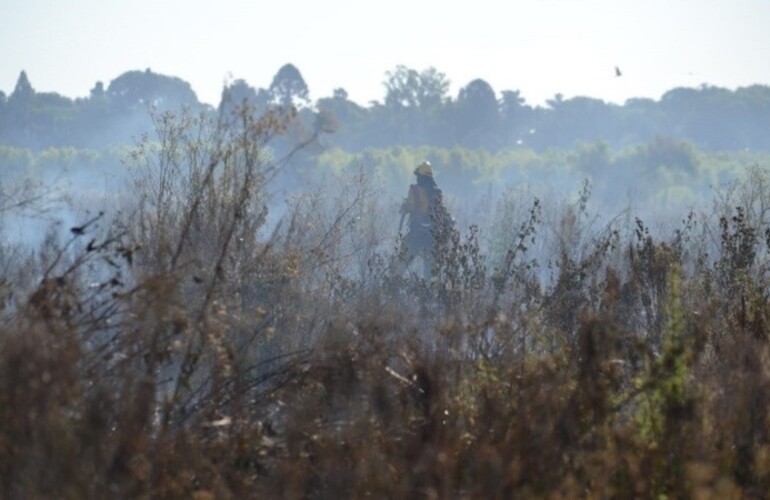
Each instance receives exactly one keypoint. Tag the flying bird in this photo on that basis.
(617, 72)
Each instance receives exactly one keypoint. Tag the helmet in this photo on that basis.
(424, 169)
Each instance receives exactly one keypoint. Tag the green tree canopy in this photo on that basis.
(139, 89)
(289, 88)
(23, 90)
(408, 88)
(478, 117)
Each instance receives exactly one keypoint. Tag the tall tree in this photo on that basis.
(97, 92)
(37, 120)
(348, 118)
(515, 119)
(641, 119)
(579, 119)
(3, 105)
(136, 90)
(414, 107)
(477, 116)
(408, 88)
(240, 93)
(21, 128)
(23, 90)
(289, 89)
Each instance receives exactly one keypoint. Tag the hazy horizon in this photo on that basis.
(540, 49)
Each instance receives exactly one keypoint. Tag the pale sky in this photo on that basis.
(540, 47)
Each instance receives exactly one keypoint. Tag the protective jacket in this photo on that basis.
(428, 217)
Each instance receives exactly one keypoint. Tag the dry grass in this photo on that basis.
(175, 355)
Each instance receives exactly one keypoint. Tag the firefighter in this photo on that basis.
(428, 219)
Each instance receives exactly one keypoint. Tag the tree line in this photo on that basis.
(417, 110)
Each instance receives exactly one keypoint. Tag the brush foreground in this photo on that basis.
(174, 353)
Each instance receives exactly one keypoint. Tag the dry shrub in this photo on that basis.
(180, 352)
